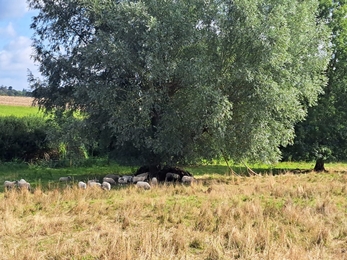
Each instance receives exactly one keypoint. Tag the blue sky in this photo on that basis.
(15, 44)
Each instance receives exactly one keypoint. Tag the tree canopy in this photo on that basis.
(177, 81)
(323, 133)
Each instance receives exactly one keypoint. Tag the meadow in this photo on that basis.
(17, 106)
(285, 216)
(280, 211)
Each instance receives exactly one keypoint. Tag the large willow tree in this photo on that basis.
(176, 81)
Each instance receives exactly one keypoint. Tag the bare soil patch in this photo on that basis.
(16, 101)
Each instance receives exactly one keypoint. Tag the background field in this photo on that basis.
(16, 101)
(17, 106)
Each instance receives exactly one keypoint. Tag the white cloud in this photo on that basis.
(8, 31)
(15, 62)
(12, 8)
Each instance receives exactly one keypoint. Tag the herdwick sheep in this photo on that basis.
(125, 179)
(23, 184)
(154, 181)
(8, 185)
(82, 185)
(106, 185)
(143, 185)
(109, 180)
(65, 179)
(188, 180)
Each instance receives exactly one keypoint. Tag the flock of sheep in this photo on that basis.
(142, 180)
(21, 184)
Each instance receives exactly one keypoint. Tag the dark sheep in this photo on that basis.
(115, 177)
(172, 177)
(110, 180)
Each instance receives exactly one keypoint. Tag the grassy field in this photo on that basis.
(286, 216)
(17, 106)
(275, 212)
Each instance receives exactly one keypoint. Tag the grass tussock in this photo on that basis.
(263, 217)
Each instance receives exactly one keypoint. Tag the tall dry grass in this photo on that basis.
(263, 217)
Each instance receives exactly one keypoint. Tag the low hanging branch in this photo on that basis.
(250, 171)
(231, 171)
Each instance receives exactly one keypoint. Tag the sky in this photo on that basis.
(15, 44)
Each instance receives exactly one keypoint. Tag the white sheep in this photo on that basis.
(188, 180)
(82, 185)
(143, 185)
(94, 184)
(109, 180)
(91, 181)
(144, 174)
(23, 184)
(65, 179)
(106, 185)
(8, 185)
(154, 181)
(136, 179)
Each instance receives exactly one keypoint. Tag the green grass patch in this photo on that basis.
(47, 177)
(19, 111)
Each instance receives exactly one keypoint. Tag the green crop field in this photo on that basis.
(18, 111)
(17, 106)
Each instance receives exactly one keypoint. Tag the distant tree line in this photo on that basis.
(9, 91)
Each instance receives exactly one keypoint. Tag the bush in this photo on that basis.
(23, 138)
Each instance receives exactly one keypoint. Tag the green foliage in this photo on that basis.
(68, 135)
(178, 81)
(325, 127)
(22, 138)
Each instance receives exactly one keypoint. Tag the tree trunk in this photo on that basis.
(319, 167)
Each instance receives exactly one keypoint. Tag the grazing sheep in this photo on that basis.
(109, 180)
(65, 179)
(188, 180)
(125, 179)
(23, 184)
(94, 183)
(9, 185)
(139, 178)
(154, 181)
(113, 176)
(82, 185)
(106, 185)
(144, 174)
(91, 181)
(172, 177)
(143, 185)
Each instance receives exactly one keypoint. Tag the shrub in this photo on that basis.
(23, 138)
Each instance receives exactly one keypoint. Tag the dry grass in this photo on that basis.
(16, 101)
(263, 217)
